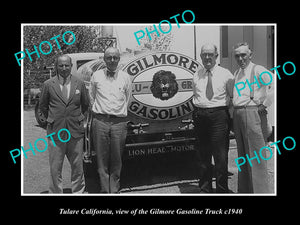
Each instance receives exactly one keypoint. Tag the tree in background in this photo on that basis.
(88, 39)
(157, 43)
(34, 35)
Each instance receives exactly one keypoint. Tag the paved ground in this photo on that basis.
(36, 170)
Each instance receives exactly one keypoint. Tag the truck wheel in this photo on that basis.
(40, 118)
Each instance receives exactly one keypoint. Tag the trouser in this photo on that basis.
(249, 135)
(109, 135)
(73, 149)
(212, 131)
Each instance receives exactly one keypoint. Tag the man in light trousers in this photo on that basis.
(250, 124)
(109, 93)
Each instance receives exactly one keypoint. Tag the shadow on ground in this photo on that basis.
(147, 171)
(65, 191)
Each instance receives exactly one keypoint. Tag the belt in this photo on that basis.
(212, 109)
(108, 116)
(245, 106)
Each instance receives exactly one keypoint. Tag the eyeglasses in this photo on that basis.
(112, 57)
(63, 66)
(242, 55)
(209, 55)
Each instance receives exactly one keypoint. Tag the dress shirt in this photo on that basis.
(222, 80)
(263, 95)
(110, 95)
(67, 83)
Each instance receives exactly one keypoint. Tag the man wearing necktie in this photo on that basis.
(212, 90)
(110, 92)
(250, 121)
(64, 99)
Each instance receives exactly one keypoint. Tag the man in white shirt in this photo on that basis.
(212, 90)
(110, 92)
(250, 119)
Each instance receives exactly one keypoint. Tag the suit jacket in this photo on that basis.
(61, 113)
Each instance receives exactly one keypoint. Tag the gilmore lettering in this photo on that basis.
(169, 113)
(158, 59)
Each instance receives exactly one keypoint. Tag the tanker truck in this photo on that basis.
(160, 136)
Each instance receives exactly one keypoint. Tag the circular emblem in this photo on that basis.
(161, 85)
(164, 85)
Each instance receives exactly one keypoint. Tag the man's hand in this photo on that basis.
(262, 109)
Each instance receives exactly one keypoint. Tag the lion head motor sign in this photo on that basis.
(161, 97)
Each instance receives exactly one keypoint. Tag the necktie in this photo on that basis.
(209, 88)
(65, 91)
(110, 73)
(242, 74)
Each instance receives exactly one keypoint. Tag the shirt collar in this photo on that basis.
(212, 70)
(248, 67)
(61, 79)
(115, 73)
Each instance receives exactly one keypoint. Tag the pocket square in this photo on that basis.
(77, 91)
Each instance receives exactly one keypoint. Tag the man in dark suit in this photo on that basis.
(212, 91)
(64, 100)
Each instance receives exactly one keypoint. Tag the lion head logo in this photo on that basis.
(164, 85)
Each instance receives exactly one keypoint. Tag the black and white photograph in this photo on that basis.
(150, 109)
(185, 112)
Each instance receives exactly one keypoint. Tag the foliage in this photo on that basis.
(34, 35)
(157, 43)
(87, 40)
